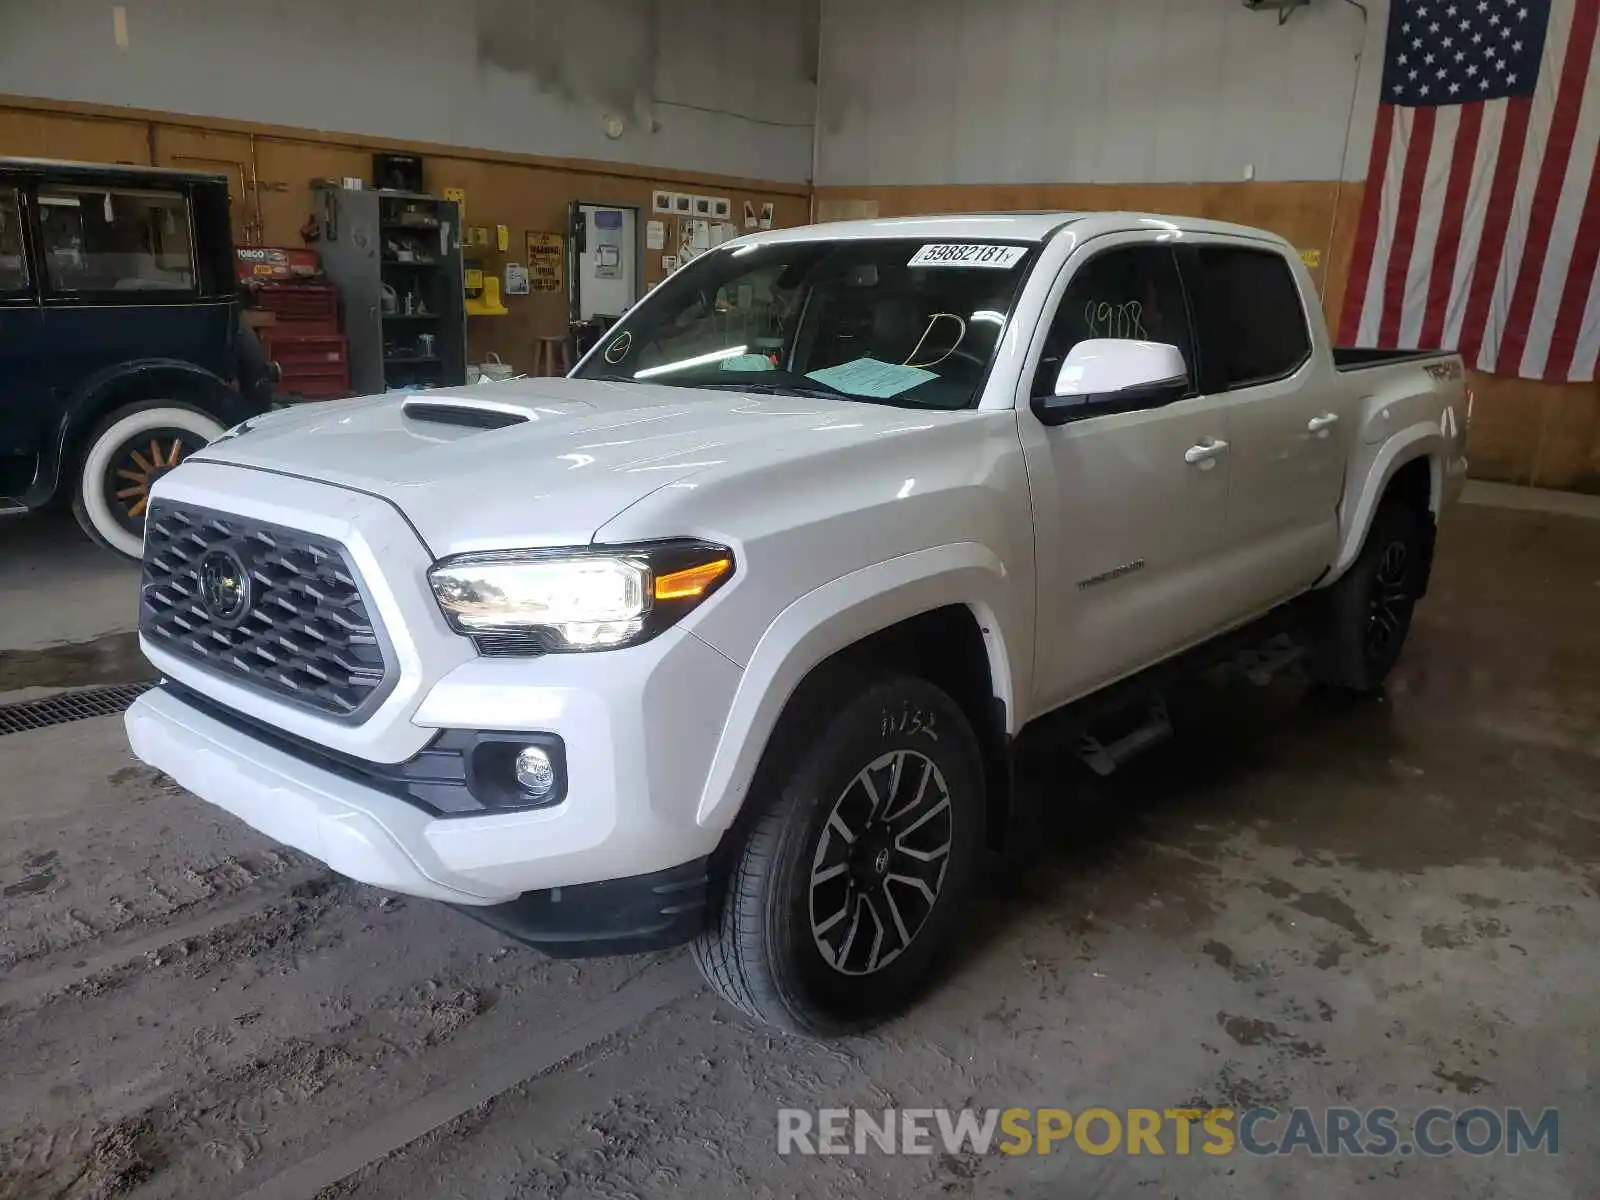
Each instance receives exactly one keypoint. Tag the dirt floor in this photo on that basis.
(1296, 902)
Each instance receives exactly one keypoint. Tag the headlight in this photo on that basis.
(537, 601)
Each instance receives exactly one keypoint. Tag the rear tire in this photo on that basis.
(123, 457)
(1370, 608)
(857, 863)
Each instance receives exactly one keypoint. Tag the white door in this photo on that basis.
(1130, 508)
(608, 264)
(1288, 449)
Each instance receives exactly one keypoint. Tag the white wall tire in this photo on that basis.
(116, 520)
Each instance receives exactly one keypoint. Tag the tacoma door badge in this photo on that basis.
(1115, 573)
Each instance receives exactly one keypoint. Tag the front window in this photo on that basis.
(13, 266)
(116, 239)
(893, 321)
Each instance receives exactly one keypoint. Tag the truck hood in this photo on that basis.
(528, 463)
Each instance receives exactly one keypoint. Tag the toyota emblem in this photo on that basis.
(224, 585)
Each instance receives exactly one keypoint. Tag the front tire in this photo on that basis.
(857, 864)
(122, 459)
(1370, 608)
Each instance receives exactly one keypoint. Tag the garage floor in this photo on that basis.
(1297, 902)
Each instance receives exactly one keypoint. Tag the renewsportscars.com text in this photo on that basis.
(1262, 1132)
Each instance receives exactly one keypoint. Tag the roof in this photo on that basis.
(59, 166)
(1000, 226)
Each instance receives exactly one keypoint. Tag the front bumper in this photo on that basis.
(638, 752)
(376, 838)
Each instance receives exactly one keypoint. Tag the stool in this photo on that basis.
(552, 356)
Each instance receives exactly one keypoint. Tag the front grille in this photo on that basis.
(273, 608)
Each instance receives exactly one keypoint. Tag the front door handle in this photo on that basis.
(1318, 424)
(1204, 453)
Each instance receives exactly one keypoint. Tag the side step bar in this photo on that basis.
(12, 508)
(1103, 758)
(1257, 663)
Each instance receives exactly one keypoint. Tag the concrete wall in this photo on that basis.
(715, 86)
(1093, 91)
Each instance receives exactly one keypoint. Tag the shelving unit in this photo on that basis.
(404, 316)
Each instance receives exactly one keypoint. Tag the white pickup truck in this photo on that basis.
(725, 638)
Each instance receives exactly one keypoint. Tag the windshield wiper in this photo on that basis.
(820, 392)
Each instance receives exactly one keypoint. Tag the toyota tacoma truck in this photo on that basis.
(725, 638)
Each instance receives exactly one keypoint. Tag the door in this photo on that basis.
(121, 281)
(1130, 508)
(1288, 452)
(607, 275)
(26, 406)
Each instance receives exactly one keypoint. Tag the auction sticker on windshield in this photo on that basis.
(967, 254)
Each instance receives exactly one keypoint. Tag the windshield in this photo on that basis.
(891, 321)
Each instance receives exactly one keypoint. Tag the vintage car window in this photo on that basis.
(100, 239)
(13, 265)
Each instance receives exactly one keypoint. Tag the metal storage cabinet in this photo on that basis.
(379, 248)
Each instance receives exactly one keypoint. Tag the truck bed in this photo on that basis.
(1354, 358)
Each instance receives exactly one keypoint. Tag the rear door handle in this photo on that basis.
(1318, 424)
(1205, 452)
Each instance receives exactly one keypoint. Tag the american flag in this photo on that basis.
(1480, 227)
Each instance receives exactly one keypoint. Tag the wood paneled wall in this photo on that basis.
(1547, 435)
(1541, 434)
(271, 168)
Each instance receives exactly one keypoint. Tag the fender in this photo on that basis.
(1423, 440)
(837, 615)
(122, 383)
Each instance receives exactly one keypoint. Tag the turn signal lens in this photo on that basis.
(692, 581)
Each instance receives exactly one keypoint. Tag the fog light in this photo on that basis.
(536, 774)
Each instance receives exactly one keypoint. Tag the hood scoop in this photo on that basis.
(465, 414)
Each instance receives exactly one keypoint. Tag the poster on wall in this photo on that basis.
(655, 235)
(749, 214)
(517, 281)
(607, 244)
(545, 254)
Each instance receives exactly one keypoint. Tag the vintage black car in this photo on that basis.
(121, 348)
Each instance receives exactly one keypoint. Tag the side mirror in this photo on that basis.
(1107, 375)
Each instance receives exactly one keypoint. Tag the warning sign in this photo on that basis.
(546, 252)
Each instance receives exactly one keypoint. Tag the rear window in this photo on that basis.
(1252, 323)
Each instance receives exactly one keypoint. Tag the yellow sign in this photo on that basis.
(1311, 258)
(459, 195)
(546, 251)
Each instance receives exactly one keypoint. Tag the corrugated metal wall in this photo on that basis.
(1093, 91)
(723, 86)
